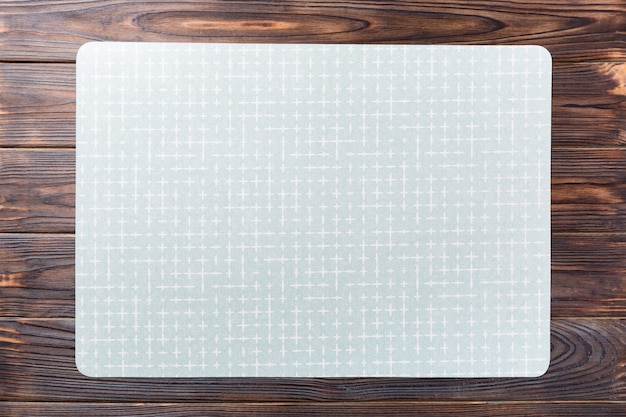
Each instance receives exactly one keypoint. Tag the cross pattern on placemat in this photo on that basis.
(312, 210)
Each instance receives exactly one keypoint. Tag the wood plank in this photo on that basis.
(589, 105)
(588, 294)
(37, 105)
(573, 31)
(37, 276)
(589, 253)
(387, 408)
(588, 190)
(589, 215)
(37, 190)
(588, 166)
(37, 364)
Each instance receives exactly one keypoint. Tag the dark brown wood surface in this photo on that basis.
(38, 44)
(574, 31)
(587, 364)
(404, 408)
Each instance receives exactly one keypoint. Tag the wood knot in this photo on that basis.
(617, 72)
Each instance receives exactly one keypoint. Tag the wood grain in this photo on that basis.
(596, 253)
(387, 408)
(589, 105)
(37, 106)
(37, 357)
(588, 210)
(574, 31)
(37, 276)
(588, 166)
(37, 190)
(588, 190)
(588, 294)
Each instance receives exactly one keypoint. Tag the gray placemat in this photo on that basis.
(312, 210)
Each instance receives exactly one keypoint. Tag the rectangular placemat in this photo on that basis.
(312, 210)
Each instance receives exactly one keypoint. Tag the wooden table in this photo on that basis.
(38, 43)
